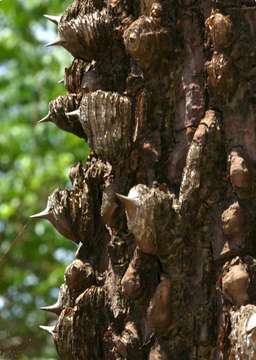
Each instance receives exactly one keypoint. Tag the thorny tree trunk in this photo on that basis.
(164, 94)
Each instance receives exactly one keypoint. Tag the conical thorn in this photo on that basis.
(130, 205)
(73, 113)
(47, 118)
(52, 18)
(57, 42)
(55, 308)
(49, 329)
(60, 81)
(45, 214)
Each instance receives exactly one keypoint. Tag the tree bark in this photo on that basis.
(163, 91)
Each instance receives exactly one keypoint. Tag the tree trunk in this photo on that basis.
(164, 94)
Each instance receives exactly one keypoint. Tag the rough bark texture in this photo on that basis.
(164, 93)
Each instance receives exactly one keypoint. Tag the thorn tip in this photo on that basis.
(57, 42)
(130, 205)
(47, 118)
(55, 309)
(49, 329)
(52, 18)
(45, 214)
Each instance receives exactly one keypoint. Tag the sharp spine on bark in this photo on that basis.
(52, 18)
(61, 303)
(56, 114)
(57, 212)
(57, 42)
(60, 81)
(130, 205)
(45, 214)
(88, 35)
(148, 219)
(55, 308)
(49, 329)
(47, 118)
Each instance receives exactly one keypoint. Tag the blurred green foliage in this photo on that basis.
(34, 160)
